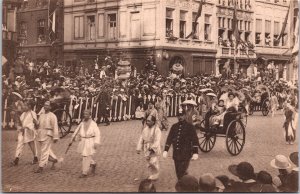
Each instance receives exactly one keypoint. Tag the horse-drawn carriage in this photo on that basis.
(59, 106)
(233, 130)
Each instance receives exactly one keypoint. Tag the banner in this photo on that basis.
(196, 19)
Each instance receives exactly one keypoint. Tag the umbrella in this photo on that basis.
(191, 102)
(177, 67)
(261, 86)
(211, 94)
(17, 94)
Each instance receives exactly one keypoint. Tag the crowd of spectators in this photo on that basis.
(246, 179)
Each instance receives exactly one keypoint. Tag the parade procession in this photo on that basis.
(150, 96)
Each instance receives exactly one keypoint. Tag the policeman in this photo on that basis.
(184, 139)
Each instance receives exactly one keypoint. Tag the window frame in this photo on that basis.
(74, 28)
(108, 28)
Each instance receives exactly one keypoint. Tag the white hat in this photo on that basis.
(191, 102)
(211, 94)
(280, 162)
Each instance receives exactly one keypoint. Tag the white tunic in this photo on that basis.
(28, 125)
(88, 137)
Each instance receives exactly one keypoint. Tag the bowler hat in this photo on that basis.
(187, 183)
(243, 170)
(294, 158)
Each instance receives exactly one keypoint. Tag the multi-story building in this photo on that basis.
(144, 28)
(9, 36)
(239, 56)
(39, 38)
(141, 28)
(269, 19)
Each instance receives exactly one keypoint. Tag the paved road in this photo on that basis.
(119, 165)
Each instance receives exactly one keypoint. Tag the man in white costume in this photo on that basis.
(89, 135)
(47, 133)
(149, 142)
(26, 133)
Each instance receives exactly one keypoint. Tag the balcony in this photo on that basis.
(228, 52)
(8, 35)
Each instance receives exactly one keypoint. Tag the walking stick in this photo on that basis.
(72, 140)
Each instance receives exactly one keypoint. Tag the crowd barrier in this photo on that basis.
(120, 109)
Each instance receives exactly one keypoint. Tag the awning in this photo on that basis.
(273, 57)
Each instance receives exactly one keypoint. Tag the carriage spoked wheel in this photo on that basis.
(235, 137)
(64, 122)
(265, 107)
(206, 139)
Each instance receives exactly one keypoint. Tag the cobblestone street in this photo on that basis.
(119, 165)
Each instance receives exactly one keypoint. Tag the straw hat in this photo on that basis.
(280, 162)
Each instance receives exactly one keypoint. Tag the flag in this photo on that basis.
(53, 21)
(296, 34)
(235, 29)
(52, 5)
(196, 19)
(283, 26)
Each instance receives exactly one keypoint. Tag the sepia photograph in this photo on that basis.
(150, 96)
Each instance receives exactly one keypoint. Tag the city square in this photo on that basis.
(120, 166)
(150, 96)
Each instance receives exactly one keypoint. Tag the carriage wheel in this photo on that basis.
(64, 122)
(265, 107)
(206, 139)
(235, 137)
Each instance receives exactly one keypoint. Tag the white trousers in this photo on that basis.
(86, 162)
(21, 144)
(153, 167)
(46, 151)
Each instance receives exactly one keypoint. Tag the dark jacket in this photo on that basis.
(184, 139)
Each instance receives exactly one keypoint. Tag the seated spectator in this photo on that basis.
(207, 183)
(282, 164)
(147, 186)
(245, 172)
(187, 183)
(232, 102)
(264, 180)
(217, 118)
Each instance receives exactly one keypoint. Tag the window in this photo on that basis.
(196, 35)
(258, 31)
(135, 25)
(41, 31)
(267, 33)
(182, 24)
(23, 33)
(78, 27)
(169, 23)
(276, 33)
(91, 28)
(207, 27)
(112, 26)
(229, 23)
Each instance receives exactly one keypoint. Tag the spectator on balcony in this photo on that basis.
(268, 40)
(220, 41)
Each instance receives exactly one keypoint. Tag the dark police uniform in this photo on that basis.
(184, 139)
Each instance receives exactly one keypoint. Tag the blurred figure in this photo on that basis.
(147, 186)
(187, 183)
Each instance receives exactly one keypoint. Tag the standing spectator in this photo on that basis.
(89, 135)
(149, 142)
(184, 139)
(26, 133)
(274, 103)
(192, 116)
(47, 132)
(161, 112)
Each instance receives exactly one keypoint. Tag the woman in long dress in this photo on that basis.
(161, 108)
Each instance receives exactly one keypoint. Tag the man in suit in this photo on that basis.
(184, 139)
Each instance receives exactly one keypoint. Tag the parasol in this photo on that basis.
(206, 90)
(240, 96)
(17, 94)
(191, 102)
(211, 94)
(177, 67)
(227, 88)
(261, 86)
